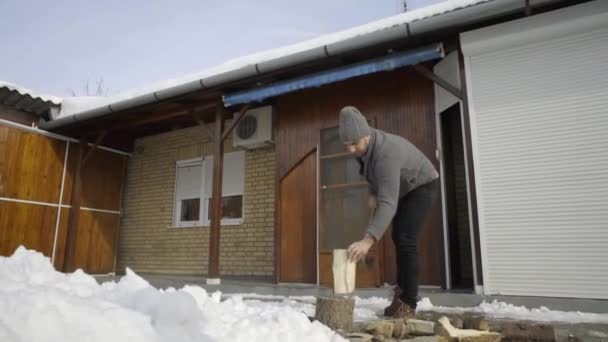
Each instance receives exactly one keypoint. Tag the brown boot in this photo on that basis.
(404, 311)
(390, 310)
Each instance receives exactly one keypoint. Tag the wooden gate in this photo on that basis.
(36, 180)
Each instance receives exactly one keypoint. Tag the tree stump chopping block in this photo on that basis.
(335, 312)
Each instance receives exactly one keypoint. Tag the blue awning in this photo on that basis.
(386, 63)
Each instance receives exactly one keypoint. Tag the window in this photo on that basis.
(233, 183)
(232, 207)
(194, 187)
(188, 186)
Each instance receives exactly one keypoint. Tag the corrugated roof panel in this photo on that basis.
(25, 100)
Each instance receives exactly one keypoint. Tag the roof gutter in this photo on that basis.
(386, 63)
(395, 33)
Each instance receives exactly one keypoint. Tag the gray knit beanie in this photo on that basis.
(353, 125)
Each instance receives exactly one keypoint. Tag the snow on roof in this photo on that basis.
(77, 104)
(234, 64)
(24, 91)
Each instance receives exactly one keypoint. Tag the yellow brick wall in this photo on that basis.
(148, 243)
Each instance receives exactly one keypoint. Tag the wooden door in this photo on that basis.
(344, 212)
(298, 222)
(400, 102)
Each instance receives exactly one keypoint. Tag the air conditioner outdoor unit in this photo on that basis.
(254, 130)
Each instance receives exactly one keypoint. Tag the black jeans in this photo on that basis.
(411, 213)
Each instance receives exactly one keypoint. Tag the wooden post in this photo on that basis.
(216, 198)
(68, 259)
(120, 204)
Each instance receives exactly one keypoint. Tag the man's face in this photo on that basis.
(358, 148)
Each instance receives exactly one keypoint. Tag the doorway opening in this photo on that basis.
(456, 204)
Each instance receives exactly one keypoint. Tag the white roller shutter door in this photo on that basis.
(538, 93)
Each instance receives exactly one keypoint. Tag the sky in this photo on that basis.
(58, 47)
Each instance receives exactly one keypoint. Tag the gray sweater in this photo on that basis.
(393, 167)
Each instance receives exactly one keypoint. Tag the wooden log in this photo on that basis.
(456, 319)
(420, 327)
(426, 339)
(383, 328)
(359, 337)
(444, 328)
(335, 312)
(526, 331)
(476, 322)
(400, 328)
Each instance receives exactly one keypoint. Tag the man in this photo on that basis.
(403, 182)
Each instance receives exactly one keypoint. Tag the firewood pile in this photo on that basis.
(418, 330)
(433, 326)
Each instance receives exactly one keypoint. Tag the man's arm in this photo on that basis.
(388, 174)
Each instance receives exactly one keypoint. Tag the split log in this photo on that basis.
(444, 328)
(383, 328)
(524, 331)
(455, 319)
(335, 312)
(476, 322)
(420, 328)
(359, 337)
(426, 339)
(399, 328)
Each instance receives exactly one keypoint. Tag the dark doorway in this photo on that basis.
(457, 209)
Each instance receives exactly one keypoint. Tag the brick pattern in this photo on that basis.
(149, 244)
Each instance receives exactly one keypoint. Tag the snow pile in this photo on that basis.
(504, 310)
(366, 309)
(40, 304)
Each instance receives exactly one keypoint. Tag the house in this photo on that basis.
(506, 97)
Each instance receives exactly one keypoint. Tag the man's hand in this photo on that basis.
(371, 202)
(357, 250)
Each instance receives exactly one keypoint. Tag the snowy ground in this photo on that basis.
(39, 304)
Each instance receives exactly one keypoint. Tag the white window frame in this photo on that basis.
(206, 164)
(177, 203)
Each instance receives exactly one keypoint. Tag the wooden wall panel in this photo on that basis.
(31, 165)
(415, 120)
(30, 225)
(102, 178)
(31, 168)
(298, 228)
(400, 102)
(62, 233)
(95, 241)
(13, 115)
